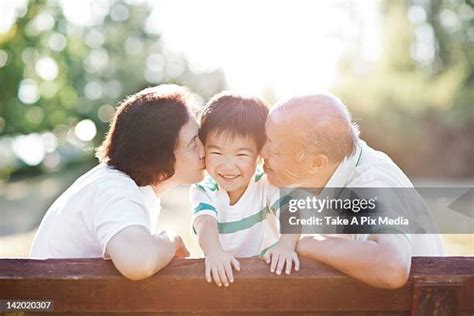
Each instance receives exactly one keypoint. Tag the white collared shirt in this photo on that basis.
(369, 168)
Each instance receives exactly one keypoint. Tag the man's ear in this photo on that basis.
(319, 162)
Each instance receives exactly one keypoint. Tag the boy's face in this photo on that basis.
(231, 161)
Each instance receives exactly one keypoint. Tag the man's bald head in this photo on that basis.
(321, 122)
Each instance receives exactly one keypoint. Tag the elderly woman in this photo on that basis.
(110, 211)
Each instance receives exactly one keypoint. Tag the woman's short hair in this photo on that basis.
(144, 134)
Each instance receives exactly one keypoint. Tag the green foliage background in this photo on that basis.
(419, 111)
(113, 56)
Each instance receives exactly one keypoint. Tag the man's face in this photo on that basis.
(282, 153)
(189, 165)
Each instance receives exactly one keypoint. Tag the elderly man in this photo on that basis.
(312, 143)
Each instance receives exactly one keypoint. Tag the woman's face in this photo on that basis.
(189, 166)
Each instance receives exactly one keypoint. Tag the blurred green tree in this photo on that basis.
(420, 89)
(56, 73)
(62, 73)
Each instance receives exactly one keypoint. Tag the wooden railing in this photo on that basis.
(437, 285)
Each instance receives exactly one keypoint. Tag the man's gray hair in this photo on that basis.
(329, 129)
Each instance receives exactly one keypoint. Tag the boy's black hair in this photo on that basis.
(236, 115)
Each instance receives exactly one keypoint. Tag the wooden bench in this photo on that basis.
(443, 285)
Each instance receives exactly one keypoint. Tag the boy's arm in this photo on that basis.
(283, 253)
(383, 260)
(208, 237)
(138, 255)
(218, 263)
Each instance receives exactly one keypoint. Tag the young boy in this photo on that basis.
(235, 209)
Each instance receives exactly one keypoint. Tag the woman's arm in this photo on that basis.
(138, 255)
(382, 260)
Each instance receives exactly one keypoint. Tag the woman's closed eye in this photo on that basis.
(193, 146)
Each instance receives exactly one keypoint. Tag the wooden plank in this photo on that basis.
(94, 285)
(449, 278)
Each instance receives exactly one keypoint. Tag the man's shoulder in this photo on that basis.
(378, 169)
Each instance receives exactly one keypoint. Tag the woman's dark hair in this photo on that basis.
(144, 134)
(236, 115)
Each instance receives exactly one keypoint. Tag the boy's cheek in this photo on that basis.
(210, 162)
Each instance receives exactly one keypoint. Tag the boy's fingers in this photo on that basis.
(215, 275)
(280, 265)
(207, 273)
(228, 272)
(222, 276)
(274, 263)
(289, 265)
(236, 264)
(296, 261)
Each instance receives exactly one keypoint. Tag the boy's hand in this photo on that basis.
(283, 253)
(219, 265)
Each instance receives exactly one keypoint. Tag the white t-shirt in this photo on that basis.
(98, 205)
(250, 226)
(368, 168)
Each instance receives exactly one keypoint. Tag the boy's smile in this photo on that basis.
(228, 177)
(231, 161)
